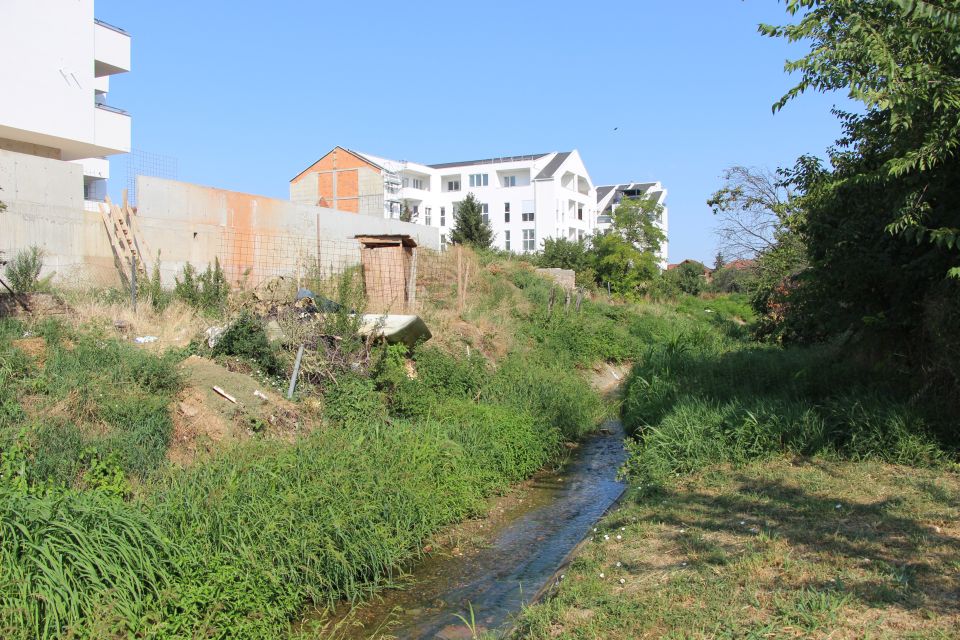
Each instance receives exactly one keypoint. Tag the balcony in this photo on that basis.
(111, 49)
(111, 129)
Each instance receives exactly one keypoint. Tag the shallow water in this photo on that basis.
(522, 556)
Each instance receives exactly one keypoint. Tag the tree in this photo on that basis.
(688, 277)
(881, 220)
(626, 255)
(750, 207)
(469, 226)
(900, 59)
(560, 253)
(636, 220)
(719, 261)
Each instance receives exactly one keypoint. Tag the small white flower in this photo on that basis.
(562, 576)
(602, 576)
(743, 522)
(606, 537)
(838, 506)
(618, 564)
(683, 530)
(623, 528)
(622, 581)
(619, 537)
(683, 564)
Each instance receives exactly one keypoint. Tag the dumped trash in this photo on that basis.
(225, 394)
(393, 328)
(214, 334)
(145, 339)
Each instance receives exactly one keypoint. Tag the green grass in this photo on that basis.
(703, 397)
(780, 548)
(86, 398)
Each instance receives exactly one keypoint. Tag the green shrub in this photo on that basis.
(207, 291)
(23, 271)
(446, 375)
(246, 338)
(701, 398)
(353, 400)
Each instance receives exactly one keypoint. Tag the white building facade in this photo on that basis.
(526, 199)
(55, 78)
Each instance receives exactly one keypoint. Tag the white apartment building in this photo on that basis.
(610, 196)
(58, 60)
(526, 199)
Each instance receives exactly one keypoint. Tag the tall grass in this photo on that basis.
(76, 564)
(90, 396)
(703, 396)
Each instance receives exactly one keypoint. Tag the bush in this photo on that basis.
(353, 400)
(23, 272)
(246, 338)
(207, 292)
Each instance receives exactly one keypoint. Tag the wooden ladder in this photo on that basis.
(119, 223)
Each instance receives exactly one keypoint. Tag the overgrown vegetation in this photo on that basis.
(623, 259)
(241, 542)
(864, 246)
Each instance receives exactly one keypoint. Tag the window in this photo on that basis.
(416, 183)
(443, 242)
(506, 240)
(443, 216)
(506, 212)
(529, 240)
(416, 209)
(526, 215)
(427, 218)
(406, 182)
(509, 181)
(580, 212)
(453, 185)
(479, 179)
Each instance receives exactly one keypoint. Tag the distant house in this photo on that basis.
(742, 264)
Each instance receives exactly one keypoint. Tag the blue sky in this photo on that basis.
(245, 95)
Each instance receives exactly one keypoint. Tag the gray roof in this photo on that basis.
(467, 163)
(552, 166)
(602, 192)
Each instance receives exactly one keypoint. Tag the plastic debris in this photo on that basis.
(214, 334)
(145, 339)
(260, 394)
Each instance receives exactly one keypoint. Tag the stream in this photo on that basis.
(516, 563)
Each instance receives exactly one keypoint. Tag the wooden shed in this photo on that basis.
(389, 272)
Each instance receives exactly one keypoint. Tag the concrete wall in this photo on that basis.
(253, 236)
(44, 201)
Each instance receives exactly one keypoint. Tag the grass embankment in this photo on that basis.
(102, 537)
(769, 497)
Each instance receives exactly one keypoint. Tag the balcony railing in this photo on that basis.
(106, 107)
(110, 26)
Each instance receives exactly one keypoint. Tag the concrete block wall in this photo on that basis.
(44, 200)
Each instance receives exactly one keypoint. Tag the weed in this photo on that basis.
(246, 338)
(23, 271)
